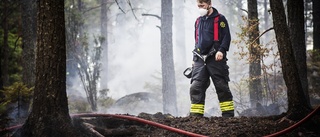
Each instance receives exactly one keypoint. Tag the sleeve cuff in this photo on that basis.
(222, 50)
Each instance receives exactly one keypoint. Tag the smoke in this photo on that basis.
(134, 56)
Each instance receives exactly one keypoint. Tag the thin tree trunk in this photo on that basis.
(316, 24)
(5, 49)
(104, 44)
(168, 73)
(180, 45)
(1, 82)
(29, 33)
(255, 87)
(73, 43)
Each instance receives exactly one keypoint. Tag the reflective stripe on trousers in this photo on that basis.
(226, 106)
(197, 108)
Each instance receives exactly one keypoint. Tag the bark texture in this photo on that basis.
(29, 38)
(50, 115)
(168, 73)
(297, 103)
(255, 87)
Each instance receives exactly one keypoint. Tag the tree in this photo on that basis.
(10, 42)
(1, 83)
(316, 24)
(266, 14)
(89, 71)
(168, 74)
(83, 56)
(297, 101)
(50, 115)
(1, 80)
(180, 34)
(29, 32)
(297, 34)
(104, 35)
(5, 47)
(255, 87)
(74, 30)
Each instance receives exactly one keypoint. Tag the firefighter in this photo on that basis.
(212, 41)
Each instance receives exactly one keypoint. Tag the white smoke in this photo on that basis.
(134, 54)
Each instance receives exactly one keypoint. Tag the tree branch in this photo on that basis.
(244, 10)
(120, 7)
(261, 35)
(128, 1)
(153, 15)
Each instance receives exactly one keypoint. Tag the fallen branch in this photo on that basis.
(90, 128)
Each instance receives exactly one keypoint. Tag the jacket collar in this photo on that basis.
(214, 13)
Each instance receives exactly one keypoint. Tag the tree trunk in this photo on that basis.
(50, 115)
(74, 26)
(5, 48)
(297, 103)
(180, 45)
(1, 82)
(266, 15)
(239, 5)
(255, 87)
(266, 36)
(29, 33)
(168, 74)
(104, 44)
(297, 35)
(316, 24)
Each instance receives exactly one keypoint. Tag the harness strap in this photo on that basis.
(215, 29)
(197, 29)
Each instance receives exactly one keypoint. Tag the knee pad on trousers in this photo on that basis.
(199, 85)
(197, 91)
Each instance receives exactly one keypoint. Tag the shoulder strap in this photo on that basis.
(216, 28)
(197, 31)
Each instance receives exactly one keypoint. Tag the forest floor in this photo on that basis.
(206, 126)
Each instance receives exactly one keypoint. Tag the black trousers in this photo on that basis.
(218, 71)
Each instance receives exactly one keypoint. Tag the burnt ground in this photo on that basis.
(208, 126)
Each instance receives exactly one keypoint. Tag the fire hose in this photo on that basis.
(122, 117)
(294, 125)
(142, 121)
(172, 128)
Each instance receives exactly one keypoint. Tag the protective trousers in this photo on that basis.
(200, 81)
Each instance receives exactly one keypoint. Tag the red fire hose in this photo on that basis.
(294, 125)
(123, 117)
(142, 121)
(11, 128)
(171, 128)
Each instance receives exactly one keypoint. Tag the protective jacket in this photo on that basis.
(204, 34)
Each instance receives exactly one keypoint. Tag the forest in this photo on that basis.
(97, 68)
